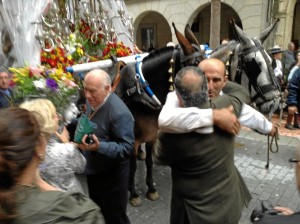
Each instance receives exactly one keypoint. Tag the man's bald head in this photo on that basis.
(214, 70)
(97, 86)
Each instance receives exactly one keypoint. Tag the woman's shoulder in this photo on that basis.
(63, 207)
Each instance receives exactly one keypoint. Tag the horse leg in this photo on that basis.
(151, 193)
(141, 154)
(134, 198)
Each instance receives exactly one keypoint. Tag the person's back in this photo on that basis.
(63, 163)
(35, 206)
(207, 187)
(206, 173)
(24, 196)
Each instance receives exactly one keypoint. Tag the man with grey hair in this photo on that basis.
(206, 185)
(108, 157)
(288, 59)
(6, 94)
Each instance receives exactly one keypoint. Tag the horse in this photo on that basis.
(158, 69)
(251, 66)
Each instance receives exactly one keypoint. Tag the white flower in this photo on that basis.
(40, 84)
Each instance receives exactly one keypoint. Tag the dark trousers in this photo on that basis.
(110, 192)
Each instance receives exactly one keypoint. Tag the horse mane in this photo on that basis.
(224, 51)
(155, 56)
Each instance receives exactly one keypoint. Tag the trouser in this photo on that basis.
(110, 192)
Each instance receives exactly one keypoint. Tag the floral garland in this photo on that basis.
(50, 79)
(53, 84)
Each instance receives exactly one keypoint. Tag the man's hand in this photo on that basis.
(274, 130)
(226, 120)
(284, 210)
(89, 147)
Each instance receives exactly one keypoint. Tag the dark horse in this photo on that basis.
(251, 66)
(158, 69)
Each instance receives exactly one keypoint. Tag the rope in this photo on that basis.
(270, 143)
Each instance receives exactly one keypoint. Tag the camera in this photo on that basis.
(267, 208)
(89, 139)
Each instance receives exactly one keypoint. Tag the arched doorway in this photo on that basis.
(296, 25)
(201, 24)
(153, 29)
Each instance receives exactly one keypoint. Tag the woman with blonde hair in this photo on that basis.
(63, 163)
(22, 201)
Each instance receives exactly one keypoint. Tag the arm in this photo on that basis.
(238, 95)
(174, 119)
(253, 119)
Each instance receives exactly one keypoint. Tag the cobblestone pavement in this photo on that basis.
(277, 183)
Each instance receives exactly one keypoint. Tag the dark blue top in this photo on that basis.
(5, 98)
(114, 128)
(293, 89)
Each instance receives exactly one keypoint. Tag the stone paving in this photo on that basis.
(276, 183)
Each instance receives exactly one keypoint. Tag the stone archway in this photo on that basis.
(201, 23)
(296, 25)
(152, 29)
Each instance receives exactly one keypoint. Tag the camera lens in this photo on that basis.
(89, 139)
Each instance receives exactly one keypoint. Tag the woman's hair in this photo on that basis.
(20, 133)
(45, 111)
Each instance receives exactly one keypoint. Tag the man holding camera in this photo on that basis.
(111, 147)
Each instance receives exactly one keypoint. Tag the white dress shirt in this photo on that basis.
(175, 119)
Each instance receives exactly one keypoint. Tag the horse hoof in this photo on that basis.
(141, 155)
(135, 202)
(153, 196)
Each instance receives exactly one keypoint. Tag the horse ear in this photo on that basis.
(190, 35)
(184, 43)
(241, 36)
(263, 36)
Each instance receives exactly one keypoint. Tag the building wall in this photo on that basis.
(256, 15)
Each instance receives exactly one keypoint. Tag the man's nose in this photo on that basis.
(210, 85)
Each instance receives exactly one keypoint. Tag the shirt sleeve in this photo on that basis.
(174, 119)
(253, 119)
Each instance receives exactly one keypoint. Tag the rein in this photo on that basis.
(270, 149)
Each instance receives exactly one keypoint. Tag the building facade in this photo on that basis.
(153, 20)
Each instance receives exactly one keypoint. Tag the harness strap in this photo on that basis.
(117, 79)
(264, 89)
(194, 55)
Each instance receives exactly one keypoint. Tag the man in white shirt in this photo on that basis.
(277, 54)
(174, 119)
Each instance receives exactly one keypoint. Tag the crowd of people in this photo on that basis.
(45, 176)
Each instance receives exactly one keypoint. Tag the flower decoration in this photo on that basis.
(115, 49)
(53, 84)
(57, 58)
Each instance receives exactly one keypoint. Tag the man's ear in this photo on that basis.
(107, 88)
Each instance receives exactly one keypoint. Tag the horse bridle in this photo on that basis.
(260, 91)
(183, 61)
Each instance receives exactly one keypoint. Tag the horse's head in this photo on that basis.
(255, 62)
(130, 89)
(189, 44)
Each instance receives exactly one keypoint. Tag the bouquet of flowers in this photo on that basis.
(116, 49)
(53, 84)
